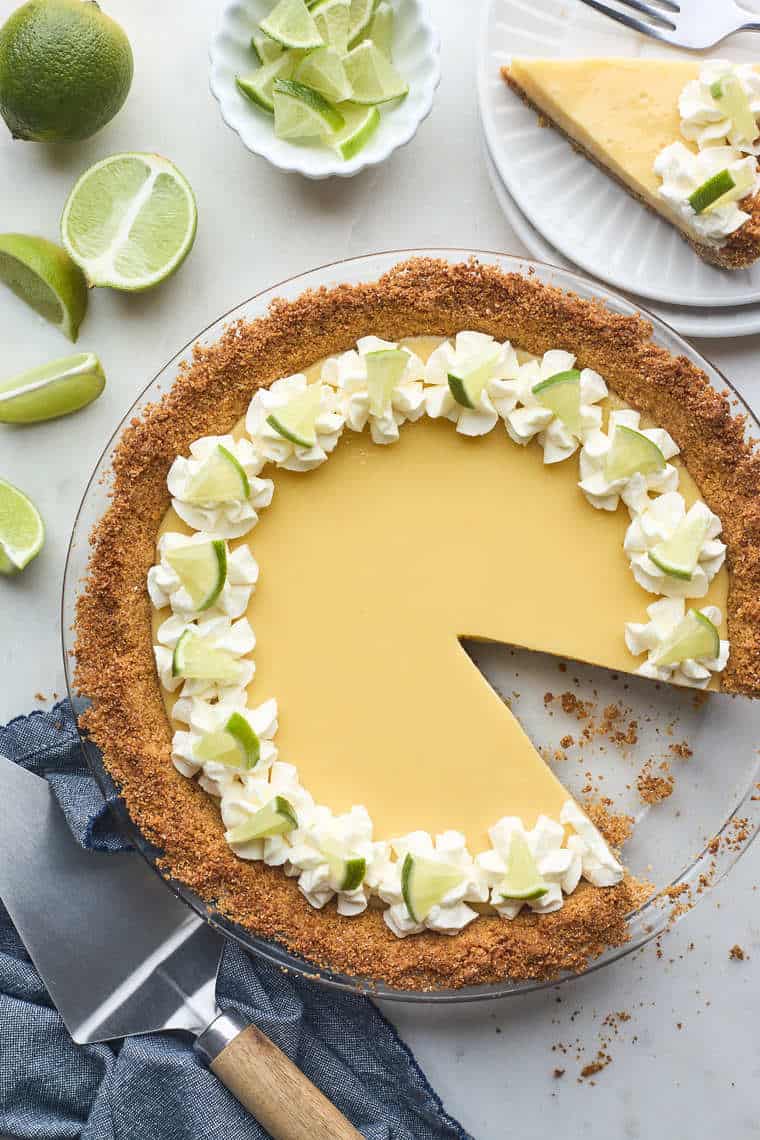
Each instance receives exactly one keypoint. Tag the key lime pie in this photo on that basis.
(300, 533)
(679, 135)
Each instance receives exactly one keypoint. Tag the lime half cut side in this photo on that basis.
(678, 556)
(275, 818)
(202, 569)
(693, 638)
(561, 394)
(236, 745)
(632, 453)
(384, 371)
(291, 24)
(296, 421)
(130, 221)
(52, 390)
(425, 883)
(522, 880)
(466, 382)
(220, 479)
(22, 531)
(196, 660)
(45, 277)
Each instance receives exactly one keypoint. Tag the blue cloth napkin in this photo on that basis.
(153, 1087)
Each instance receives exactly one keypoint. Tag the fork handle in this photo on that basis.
(268, 1084)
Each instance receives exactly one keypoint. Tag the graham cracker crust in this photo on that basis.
(114, 658)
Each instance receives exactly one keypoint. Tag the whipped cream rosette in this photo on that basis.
(557, 866)
(253, 791)
(272, 445)
(204, 718)
(498, 366)
(654, 527)
(604, 491)
(532, 417)
(451, 914)
(722, 106)
(599, 865)
(234, 640)
(233, 516)
(166, 588)
(683, 172)
(332, 855)
(654, 636)
(348, 374)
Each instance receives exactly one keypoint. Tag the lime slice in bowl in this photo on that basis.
(693, 638)
(22, 531)
(632, 453)
(220, 479)
(52, 390)
(292, 25)
(332, 17)
(425, 883)
(236, 745)
(562, 395)
(258, 87)
(323, 71)
(265, 48)
(275, 818)
(361, 124)
(380, 30)
(522, 880)
(360, 18)
(202, 569)
(300, 112)
(45, 277)
(372, 76)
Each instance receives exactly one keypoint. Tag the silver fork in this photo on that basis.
(693, 24)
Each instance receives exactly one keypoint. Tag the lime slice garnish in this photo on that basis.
(52, 390)
(291, 24)
(733, 101)
(361, 124)
(678, 556)
(43, 275)
(380, 30)
(236, 745)
(22, 531)
(372, 76)
(220, 479)
(296, 421)
(468, 380)
(130, 221)
(265, 48)
(275, 818)
(323, 71)
(302, 113)
(258, 86)
(384, 371)
(425, 882)
(522, 880)
(360, 17)
(196, 660)
(332, 17)
(632, 453)
(202, 569)
(693, 638)
(561, 394)
(346, 872)
(716, 189)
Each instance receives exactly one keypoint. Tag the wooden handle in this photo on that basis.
(277, 1093)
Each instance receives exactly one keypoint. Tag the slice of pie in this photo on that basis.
(323, 505)
(679, 135)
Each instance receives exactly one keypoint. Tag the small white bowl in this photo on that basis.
(416, 50)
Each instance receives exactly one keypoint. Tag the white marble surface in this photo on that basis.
(493, 1062)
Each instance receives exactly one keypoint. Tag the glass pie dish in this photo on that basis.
(681, 844)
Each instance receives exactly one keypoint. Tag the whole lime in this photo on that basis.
(65, 70)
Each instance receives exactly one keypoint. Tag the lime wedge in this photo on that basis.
(196, 660)
(236, 745)
(346, 873)
(693, 638)
(425, 882)
(275, 818)
(202, 569)
(361, 124)
(468, 380)
(258, 86)
(130, 221)
(360, 16)
(733, 102)
(522, 880)
(725, 186)
(302, 113)
(372, 76)
(384, 371)
(561, 393)
(52, 390)
(332, 17)
(297, 420)
(380, 30)
(43, 275)
(678, 556)
(632, 453)
(22, 531)
(323, 71)
(220, 479)
(291, 24)
(265, 48)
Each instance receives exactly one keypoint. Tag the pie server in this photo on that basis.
(120, 955)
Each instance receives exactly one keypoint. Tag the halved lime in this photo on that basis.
(522, 880)
(197, 660)
(693, 638)
(384, 371)
(468, 380)
(201, 568)
(323, 71)
(733, 101)
(130, 221)
(300, 112)
(562, 395)
(275, 818)
(235, 745)
(220, 479)
(678, 556)
(380, 30)
(52, 390)
(43, 275)
(265, 48)
(361, 124)
(632, 453)
(22, 531)
(296, 421)
(360, 17)
(258, 86)
(291, 24)
(425, 882)
(372, 76)
(332, 17)
(346, 872)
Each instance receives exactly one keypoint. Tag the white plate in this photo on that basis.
(415, 54)
(742, 321)
(576, 207)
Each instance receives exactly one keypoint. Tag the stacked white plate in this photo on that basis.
(565, 209)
